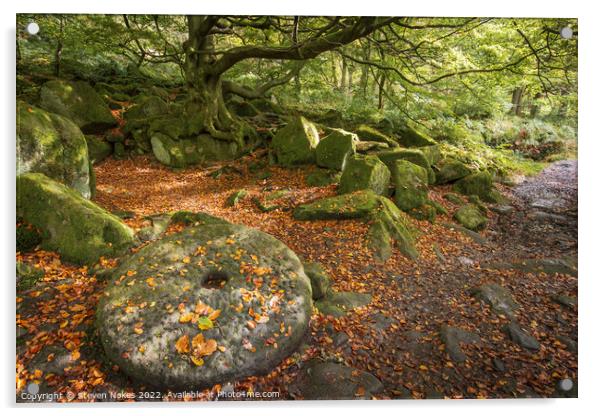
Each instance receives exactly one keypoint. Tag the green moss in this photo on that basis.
(333, 150)
(470, 216)
(440, 209)
(196, 218)
(78, 101)
(352, 205)
(424, 213)
(322, 177)
(98, 149)
(52, 145)
(79, 230)
(235, 197)
(410, 137)
(411, 184)
(320, 280)
(449, 170)
(480, 184)
(415, 156)
(454, 198)
(432, 153)
(367, 133)
(389, 223)
(295, 143)
(27, 276)
(365, 172)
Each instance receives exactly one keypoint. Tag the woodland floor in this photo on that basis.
(395, 337)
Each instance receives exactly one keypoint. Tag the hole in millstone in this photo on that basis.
(215, 279)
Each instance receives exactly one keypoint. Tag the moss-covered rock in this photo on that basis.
(144, 108)
(352, 205)
(370, 147)
(79, 230)
(411, 184)
(449, 170)
(78, 101)
(389, 157)
(367, 133)
(27, 275)
(337, 304)
(195, 218)
(480, 184)
(235, 197)
(410, 137)
(454, 198)
(432, 153)
(295, 143)
(424, 213)
(179, 153)
(156, 342)
(320, 280)
(333, 150)
(322, 177)
(98, 149)
(471, 217)
(53, 145)
(389, 224)
(365, 172)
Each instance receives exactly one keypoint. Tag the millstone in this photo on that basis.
(169, 292)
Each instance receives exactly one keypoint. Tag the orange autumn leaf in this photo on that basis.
(197, 361)
(215, 314)
(151, 282)
(206, 348)
(187, 317)
(198, 340)
(183, 344)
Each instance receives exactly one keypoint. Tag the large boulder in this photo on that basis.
(411, 185)
(410, 137)
(180, 153)
(416, 156)
(210, 304)
(78, 101)
(389, 224)
(79, 230)
(365, 172)
(367, 133)
(51, 144)
(479, 184)
(352, 205)
(145, 107)
(449, 170)
(138, 119)
(471, 217)
(295, 143)
(333, 150)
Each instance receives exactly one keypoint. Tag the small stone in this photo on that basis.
(520, 337)
(453, 338)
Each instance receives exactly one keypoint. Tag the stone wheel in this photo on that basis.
(207, 305)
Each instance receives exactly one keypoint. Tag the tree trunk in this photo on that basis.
(517, 98)
(205, 87)
(381, 91)
(59, 49)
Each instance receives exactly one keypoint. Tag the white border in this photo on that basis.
(590, 154)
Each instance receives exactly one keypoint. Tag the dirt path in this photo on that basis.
(397, 337)
(543, 221)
